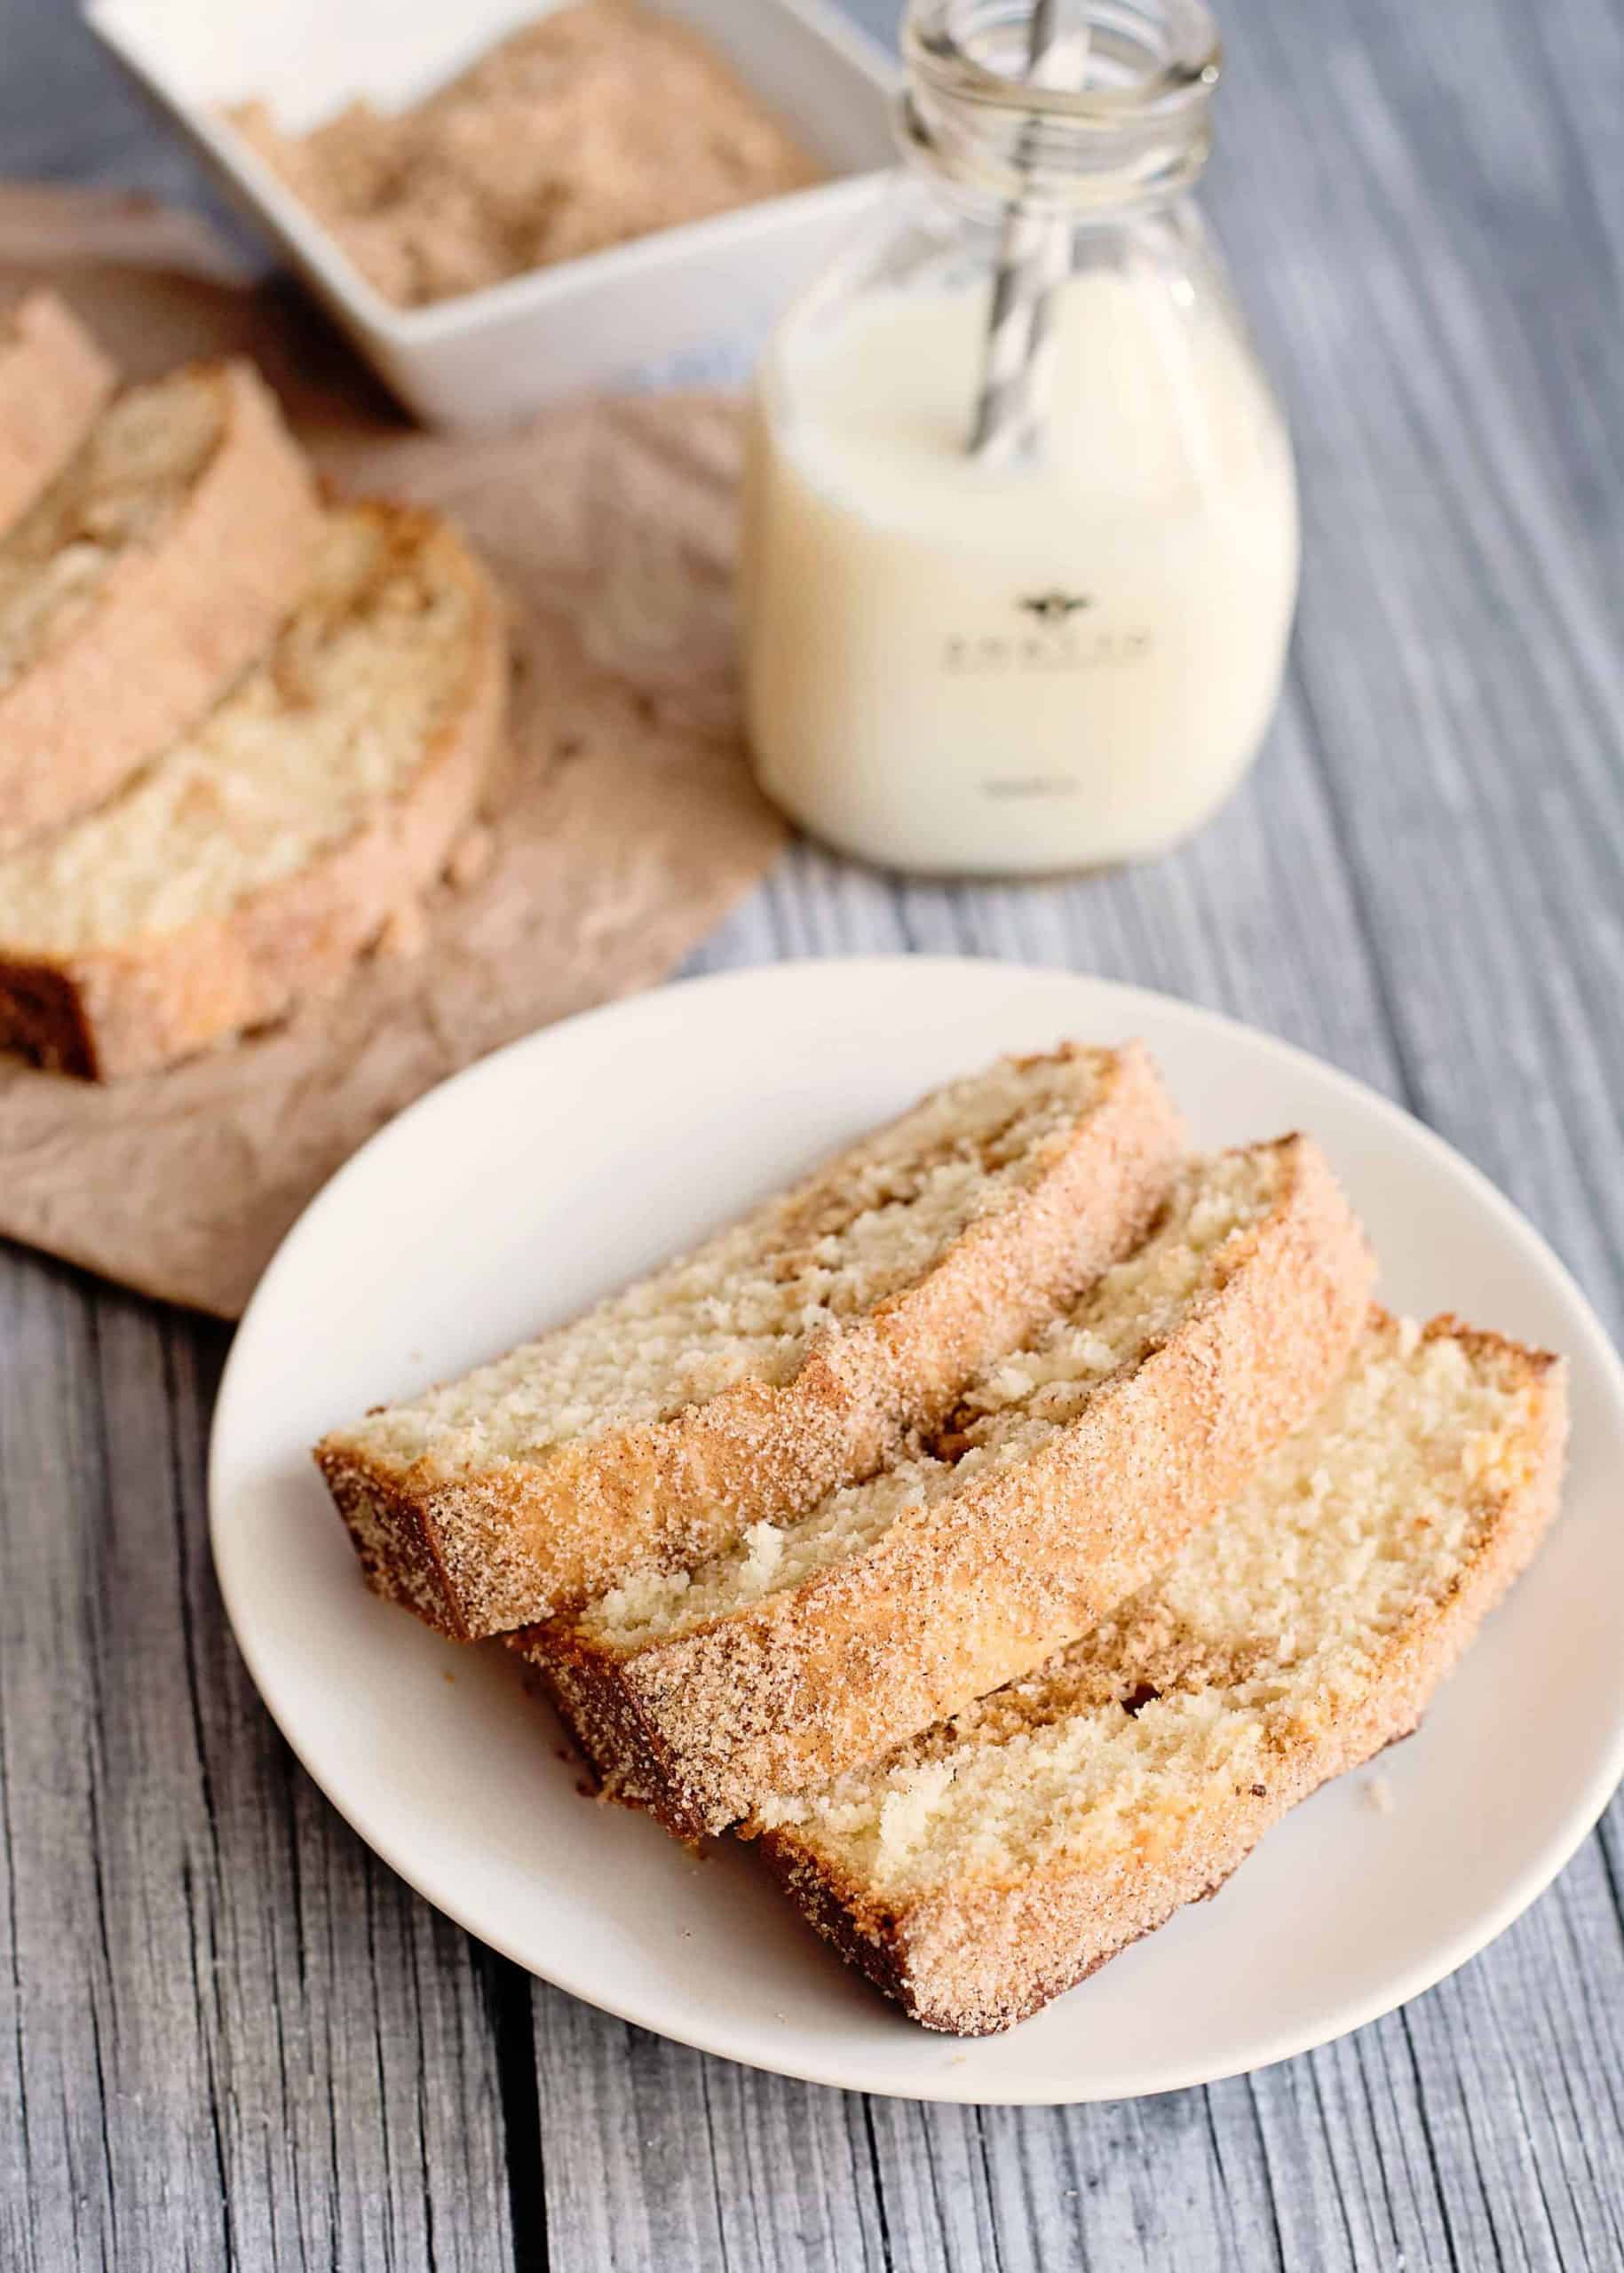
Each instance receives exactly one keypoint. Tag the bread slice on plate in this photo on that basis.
(784, 1357)
(997, 1860)
(1074, 1469)
(53, 380)
(251, 864)
(142, 581)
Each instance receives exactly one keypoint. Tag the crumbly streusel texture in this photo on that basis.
(1000, 1857)
(596, 123)
(784, 1358)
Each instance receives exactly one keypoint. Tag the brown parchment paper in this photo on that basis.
(627, 826)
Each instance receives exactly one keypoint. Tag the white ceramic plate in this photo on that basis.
(551, 1173)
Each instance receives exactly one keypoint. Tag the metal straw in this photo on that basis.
(1034, 256)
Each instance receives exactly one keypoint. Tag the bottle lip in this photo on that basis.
(1184, 78)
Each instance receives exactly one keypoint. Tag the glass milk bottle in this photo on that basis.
(1062, 649)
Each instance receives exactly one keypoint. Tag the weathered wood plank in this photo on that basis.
(1464, 690)
(241, 2041)
(656, 2156)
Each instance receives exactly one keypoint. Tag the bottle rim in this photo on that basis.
(941, 56)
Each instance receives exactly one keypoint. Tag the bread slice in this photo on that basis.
(252, 862)
(995, 1861)
(1075, 1468)
(141, 582)
(53, 380)
(784, 1357)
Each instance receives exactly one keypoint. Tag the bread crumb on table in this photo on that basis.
(1379, 1794)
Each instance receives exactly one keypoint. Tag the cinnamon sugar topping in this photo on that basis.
(596, 123)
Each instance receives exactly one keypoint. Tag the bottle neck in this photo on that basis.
(1115, 119)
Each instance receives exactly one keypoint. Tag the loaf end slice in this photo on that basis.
(248, 866)
(1073, 1470)
(53, 381)
(996, 1861)
(784, 1357)
(141, 582)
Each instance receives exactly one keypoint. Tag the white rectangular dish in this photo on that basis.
(492, 357)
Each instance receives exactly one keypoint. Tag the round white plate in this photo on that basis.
(552, 1173)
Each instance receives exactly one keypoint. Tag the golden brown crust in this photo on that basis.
(960, 1596)
(976, 1960)
(517, 1542)
(53, 380)
(172, 625)
(110, 1011)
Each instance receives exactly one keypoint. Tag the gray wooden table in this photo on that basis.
(233, 2038)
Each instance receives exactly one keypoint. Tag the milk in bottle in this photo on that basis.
(1062, 654)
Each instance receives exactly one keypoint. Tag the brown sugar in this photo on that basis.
(599, 123)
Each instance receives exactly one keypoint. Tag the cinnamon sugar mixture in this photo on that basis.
(596, 123)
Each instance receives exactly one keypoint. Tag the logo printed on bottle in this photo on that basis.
(1054, 607)
(1052, 642)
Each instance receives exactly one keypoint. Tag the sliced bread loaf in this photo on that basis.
(995, 1861)
(784, 1358)
(142, 581)
(53, 380)
(1074, 1469)
(252, 862)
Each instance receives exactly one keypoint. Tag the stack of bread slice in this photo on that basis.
(1002, 1528)
(238, 728)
